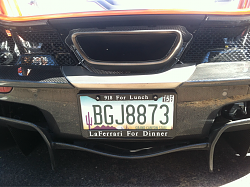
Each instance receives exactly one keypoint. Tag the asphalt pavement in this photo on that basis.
(76, 168)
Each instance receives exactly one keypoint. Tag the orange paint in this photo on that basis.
(17, 8)
(124, 13)
(2, 8)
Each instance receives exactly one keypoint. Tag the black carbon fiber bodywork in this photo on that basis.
(196, 107)
(38, 77)
(35, 58)
(214, 41)
(39, 74)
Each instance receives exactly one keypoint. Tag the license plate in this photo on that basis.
(128, 115)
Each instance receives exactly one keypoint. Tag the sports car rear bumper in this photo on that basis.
(200, 101)
(210, 81)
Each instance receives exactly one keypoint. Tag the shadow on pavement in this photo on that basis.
(76, 168)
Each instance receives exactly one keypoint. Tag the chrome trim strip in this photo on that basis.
(80, 78)
(177, 45)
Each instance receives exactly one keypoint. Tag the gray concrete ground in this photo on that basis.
(75, 168)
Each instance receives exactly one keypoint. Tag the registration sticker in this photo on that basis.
(112, 114)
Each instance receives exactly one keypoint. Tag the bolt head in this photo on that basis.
(155, 97)
(224, 94)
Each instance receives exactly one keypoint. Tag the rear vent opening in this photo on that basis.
(126, 47)
(140, 49)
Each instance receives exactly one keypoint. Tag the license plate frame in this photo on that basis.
(126, 133)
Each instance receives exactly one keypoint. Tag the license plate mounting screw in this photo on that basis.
(155, 97)
(97, 98)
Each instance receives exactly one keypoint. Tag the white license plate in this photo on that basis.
(127, 111)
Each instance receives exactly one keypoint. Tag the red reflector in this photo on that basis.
(8, 32)
(5, 89)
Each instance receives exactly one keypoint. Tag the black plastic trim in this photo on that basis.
(214, 137)
(229, 18)
(24, 23)
(39, 77)
(42, 132)
(200, 146)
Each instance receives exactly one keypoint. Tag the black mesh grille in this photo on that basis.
(34, 46)
(46, 43)
(217, 44)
